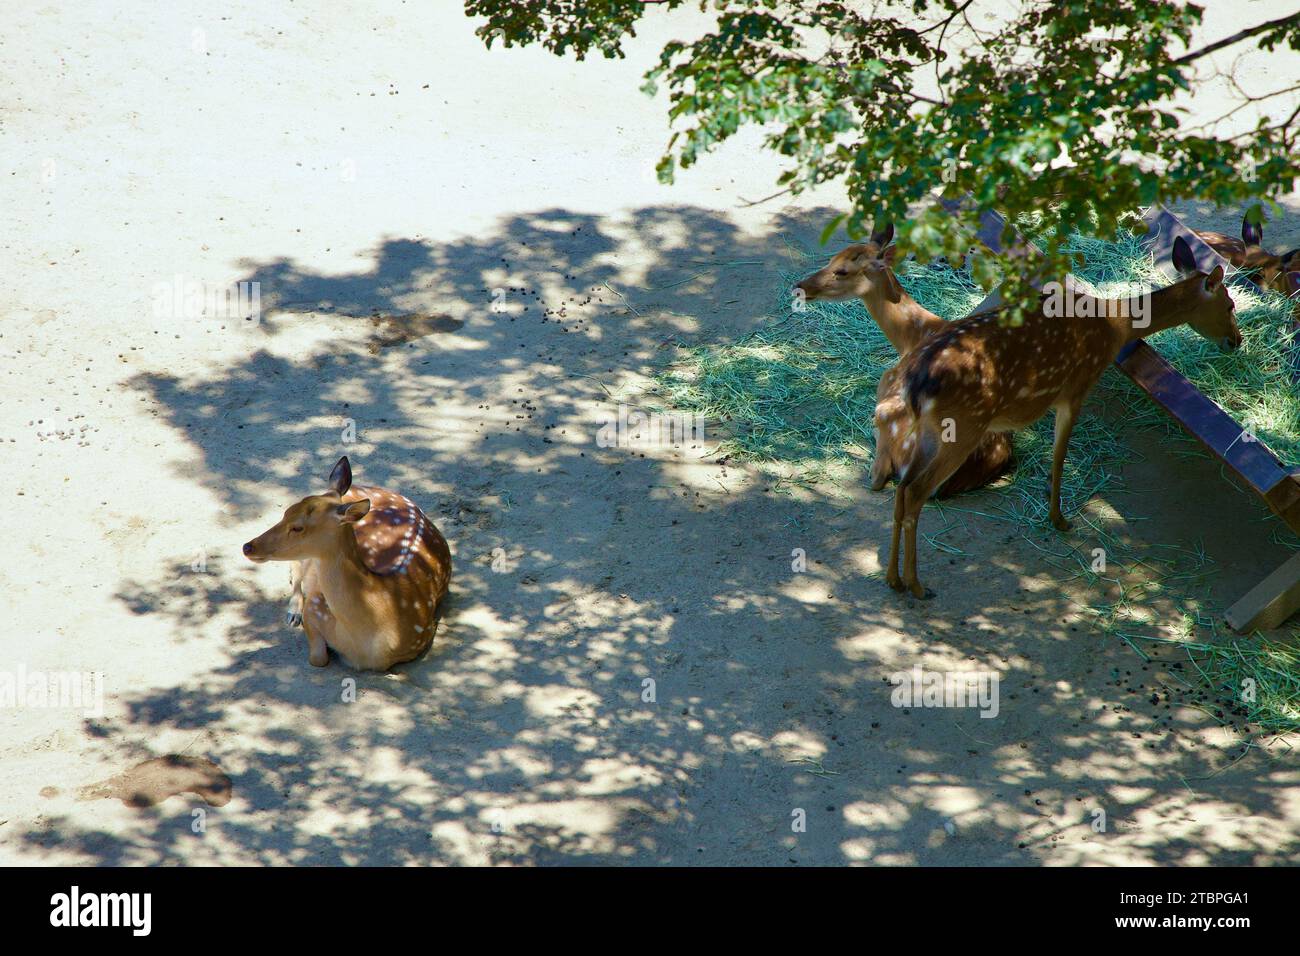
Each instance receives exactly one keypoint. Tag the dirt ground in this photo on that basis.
(377, 171)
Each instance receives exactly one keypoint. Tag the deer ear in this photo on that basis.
(353, 511)
(1252, 233)
(888, 255)
(341, 476)
(883, 237)
(893, 291)
(1184, 261)
(1213, 280)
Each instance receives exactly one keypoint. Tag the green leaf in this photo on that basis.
(829, 230)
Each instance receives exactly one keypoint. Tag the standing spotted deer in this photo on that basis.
(370, 570)
(866, 272)
(976, 376)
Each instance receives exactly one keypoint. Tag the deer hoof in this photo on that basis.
(1060, 523)
(918, 590)
(894, 582)
(293, 617)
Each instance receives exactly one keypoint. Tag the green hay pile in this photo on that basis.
(796, 398)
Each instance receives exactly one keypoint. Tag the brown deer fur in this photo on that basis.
(1247, 253)
(866, 272)
(977, 376)
(369, 572)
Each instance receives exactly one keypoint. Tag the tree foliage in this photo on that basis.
(1064, 104)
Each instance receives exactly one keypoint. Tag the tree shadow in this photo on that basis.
(629, 669)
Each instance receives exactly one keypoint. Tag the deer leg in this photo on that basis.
(890, 416)
(1065, 417)
(923, 478)
(911, 514)
(293, 613)
(318, 623)
(317, 619)
(892, 576)
(918, 493)
(882, 469)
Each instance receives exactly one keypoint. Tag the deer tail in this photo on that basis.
(924, 378)
(922, 381)
(924, 449)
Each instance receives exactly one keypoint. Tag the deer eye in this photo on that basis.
(841, 272)
(296, 529)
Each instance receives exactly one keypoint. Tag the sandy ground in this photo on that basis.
(383, 165)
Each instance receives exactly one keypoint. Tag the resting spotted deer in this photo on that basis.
(866, 272)
(1247, 253)
(370, 570)
(976, 376)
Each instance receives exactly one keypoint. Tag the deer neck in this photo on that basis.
(1164, 309)
(1256, 257)
(905, 322)
(344, 578)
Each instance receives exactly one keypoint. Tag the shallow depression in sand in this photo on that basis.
(154, 781)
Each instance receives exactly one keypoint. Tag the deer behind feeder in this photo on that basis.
(1266, 270)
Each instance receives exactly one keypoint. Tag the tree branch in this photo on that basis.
(1237, 37)
(947, 20)
(938, 47)
(1246, 101)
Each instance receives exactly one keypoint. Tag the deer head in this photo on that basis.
(312, 527)
(1205, 304)
(1291, 288)
(1268, 271)
(856, 272)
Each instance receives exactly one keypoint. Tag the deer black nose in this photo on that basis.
(248, 549)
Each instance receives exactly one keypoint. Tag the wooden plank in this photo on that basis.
(1163, 227)
(1284, 500)
(1202, 418)
(991, 227)
(1268, 604)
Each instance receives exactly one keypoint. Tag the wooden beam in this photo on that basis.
(992, 226)
(1163, 227)
(1268, 604)
(1208, 423)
